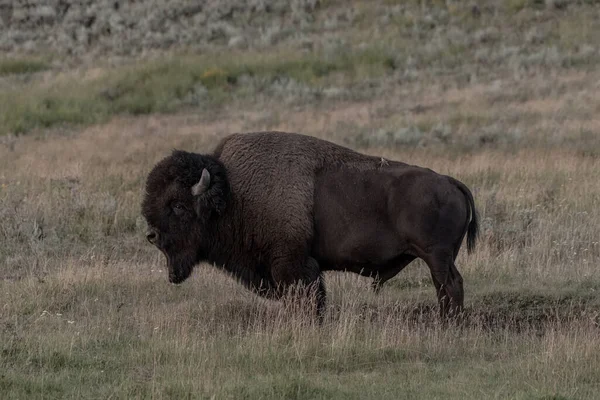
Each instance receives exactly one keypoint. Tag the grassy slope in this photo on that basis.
(505, 101)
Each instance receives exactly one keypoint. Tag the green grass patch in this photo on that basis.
(517, 5)
(12, 66)
(167, 86)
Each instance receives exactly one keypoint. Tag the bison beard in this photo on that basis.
(277, 209)
(179, 268)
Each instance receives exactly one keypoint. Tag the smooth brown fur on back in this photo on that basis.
(364, 220)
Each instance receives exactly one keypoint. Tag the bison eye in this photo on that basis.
(179, 208)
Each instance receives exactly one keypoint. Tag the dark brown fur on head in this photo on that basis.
(179, 223)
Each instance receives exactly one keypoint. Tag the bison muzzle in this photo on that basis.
(276, 209)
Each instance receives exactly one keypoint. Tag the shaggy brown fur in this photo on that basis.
(280, 208)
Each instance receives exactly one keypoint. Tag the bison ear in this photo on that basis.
(202, 184)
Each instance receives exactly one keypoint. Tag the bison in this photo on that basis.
(276, 209)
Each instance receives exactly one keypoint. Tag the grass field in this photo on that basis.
(506, 101)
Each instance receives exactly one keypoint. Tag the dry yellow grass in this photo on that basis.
(93, 329)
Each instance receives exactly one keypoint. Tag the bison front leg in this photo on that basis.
(301, 281)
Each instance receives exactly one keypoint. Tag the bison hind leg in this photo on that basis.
(448, 282)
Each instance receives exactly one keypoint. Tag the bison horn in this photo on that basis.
(202, 184)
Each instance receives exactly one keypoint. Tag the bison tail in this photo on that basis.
(473, 227)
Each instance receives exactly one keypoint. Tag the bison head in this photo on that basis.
(185, 192)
